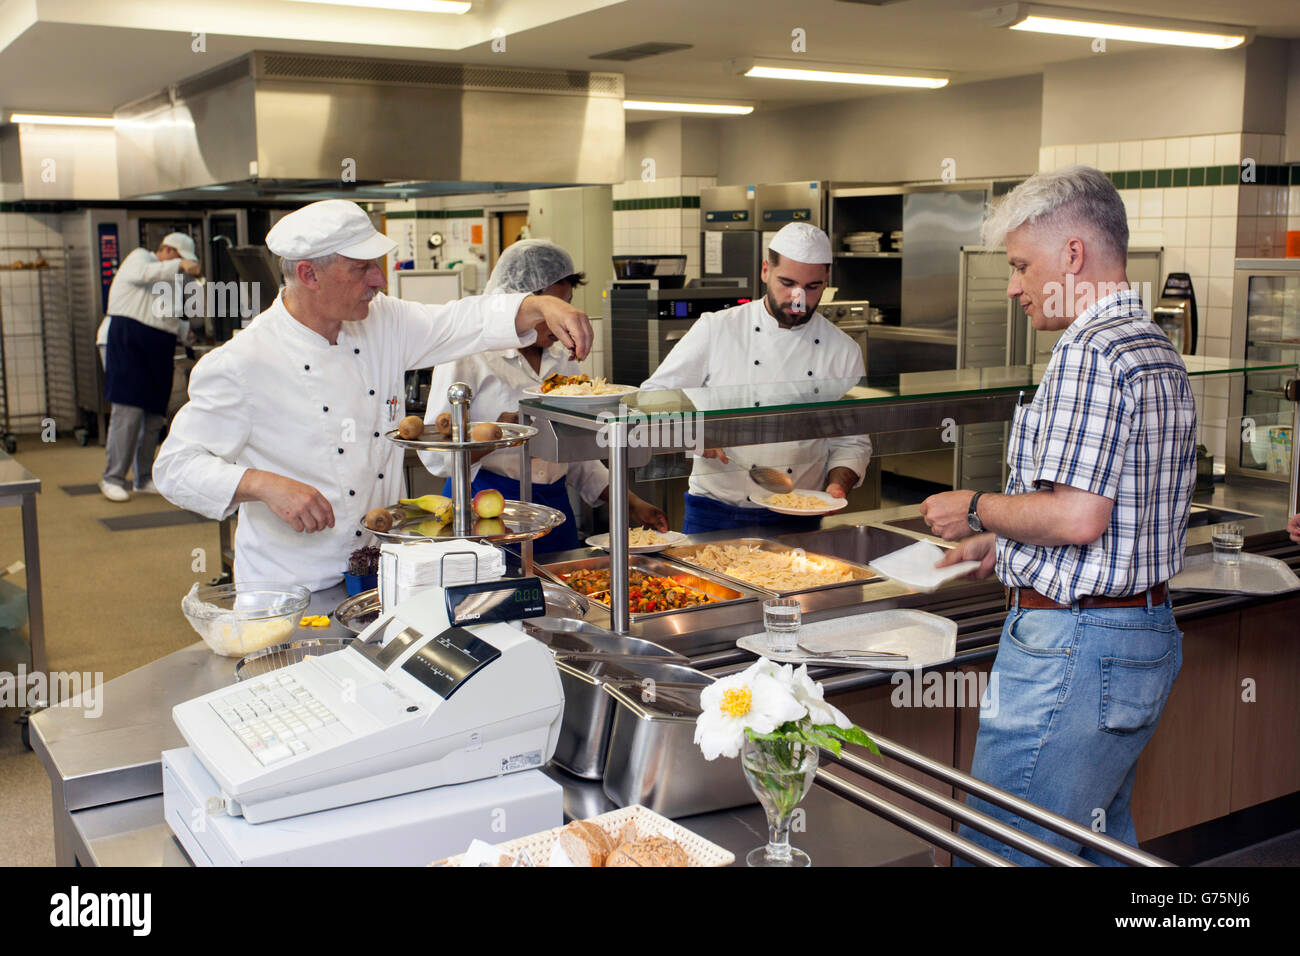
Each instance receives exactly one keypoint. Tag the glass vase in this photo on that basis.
(780, 773)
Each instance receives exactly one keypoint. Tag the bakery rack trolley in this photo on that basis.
(36, 341)
(520, 522)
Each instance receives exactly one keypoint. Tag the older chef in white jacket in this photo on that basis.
(781, 344)
(285, 422)
(498, 380)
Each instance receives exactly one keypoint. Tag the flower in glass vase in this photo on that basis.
(775, 718)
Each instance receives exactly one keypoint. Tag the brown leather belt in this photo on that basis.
(1036, 602)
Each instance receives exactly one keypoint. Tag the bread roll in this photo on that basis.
(585, 843)
(653, 851)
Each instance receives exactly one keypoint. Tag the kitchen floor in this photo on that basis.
(112, 604)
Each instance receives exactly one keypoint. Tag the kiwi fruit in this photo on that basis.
(485, 431)
(379, 519)
(443, 424)
(412, 426)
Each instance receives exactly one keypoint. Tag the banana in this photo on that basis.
(439, 506)
(432, 528)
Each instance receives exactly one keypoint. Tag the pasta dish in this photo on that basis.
(791, 571)
(796, 500)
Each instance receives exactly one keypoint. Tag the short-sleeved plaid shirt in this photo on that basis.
(1114, 415)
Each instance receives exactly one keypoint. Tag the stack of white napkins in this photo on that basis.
(407, 569)
(914, 567)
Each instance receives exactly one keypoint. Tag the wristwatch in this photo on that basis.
(973, 515)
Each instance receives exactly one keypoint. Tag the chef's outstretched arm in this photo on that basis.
(294, 502)
(570, 325)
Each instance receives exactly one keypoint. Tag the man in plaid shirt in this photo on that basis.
(1092, 526)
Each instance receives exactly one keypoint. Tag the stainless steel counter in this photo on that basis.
(106, 777)
(19, 488)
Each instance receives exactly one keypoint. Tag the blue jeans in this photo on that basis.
(1078, 695)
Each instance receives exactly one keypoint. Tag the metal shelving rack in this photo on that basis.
(40, 347)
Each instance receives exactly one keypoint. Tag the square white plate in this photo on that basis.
(914, 567)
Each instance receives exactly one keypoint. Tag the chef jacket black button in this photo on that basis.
(757, 329)
(810, 371)
(340, 451)
(376, 434)
(381, 474)
(356, 351)
(412, 709)
(372, 391)
(755, 361)
(326, 408)
(358, 534)
(306, 368)
(756, 404)
(789, 471)
(817, 341)
(817, 391)
(351, 492)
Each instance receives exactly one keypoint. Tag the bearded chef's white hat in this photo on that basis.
(802, 242)
(325, 228)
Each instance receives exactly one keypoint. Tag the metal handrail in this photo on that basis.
(1023, 808)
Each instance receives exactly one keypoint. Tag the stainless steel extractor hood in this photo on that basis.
(269, 125)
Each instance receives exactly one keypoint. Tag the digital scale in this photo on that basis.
(438, 692)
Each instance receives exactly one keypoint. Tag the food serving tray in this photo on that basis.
(1256, 574)
(927, 640)
(519, 521)
(721, 589)
(511, 435)
(686, 553)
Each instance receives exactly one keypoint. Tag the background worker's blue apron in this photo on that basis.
(709, 514)
(139, 366)
(555, 495)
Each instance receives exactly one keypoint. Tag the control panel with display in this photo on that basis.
(508, 599)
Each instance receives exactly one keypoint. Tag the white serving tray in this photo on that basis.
(927, 640)
(1256, 574)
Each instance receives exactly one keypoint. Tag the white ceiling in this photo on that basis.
(91, 55)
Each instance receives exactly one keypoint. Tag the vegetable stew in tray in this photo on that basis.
(654, 585)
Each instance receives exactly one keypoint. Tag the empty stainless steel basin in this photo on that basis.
(857, 543)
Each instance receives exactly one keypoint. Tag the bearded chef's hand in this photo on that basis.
(571, 326)
(297, 504)
(947, 514)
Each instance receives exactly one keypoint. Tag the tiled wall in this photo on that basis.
(660, 217)
(1185, 193)
(411, 223)
(20, 315)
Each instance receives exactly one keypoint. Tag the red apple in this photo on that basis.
(489, 503)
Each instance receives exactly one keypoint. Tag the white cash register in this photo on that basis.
(450, 693)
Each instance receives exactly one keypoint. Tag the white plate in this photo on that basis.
(670, 540)
(927, 640)
(914, 567)
(832, 503)
(582, 401)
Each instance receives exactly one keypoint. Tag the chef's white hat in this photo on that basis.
(802, 242)
(325, 228)
(182, 244)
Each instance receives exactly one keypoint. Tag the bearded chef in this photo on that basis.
(286, 421)
(789, 352)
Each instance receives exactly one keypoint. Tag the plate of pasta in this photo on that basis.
(642, 540)
(578, 390)
(801, 501)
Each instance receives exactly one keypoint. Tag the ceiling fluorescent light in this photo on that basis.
(725, 109)
(775, 72)
(52, 120)
(1094, 24)
(416, 6)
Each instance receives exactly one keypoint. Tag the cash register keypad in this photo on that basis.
(277, 718)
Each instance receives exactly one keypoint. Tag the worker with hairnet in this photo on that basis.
(498, 379)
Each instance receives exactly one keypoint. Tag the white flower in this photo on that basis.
(758, 698)
(809, 693)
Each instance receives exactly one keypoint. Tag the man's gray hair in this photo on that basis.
(289, 267)
(1067, 198)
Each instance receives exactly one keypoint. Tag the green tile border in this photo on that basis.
(1203, 176)
(436, 214)
(657, 202)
